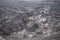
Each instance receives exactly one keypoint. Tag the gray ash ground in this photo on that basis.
(25, 20)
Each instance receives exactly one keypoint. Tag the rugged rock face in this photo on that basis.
(24, 20)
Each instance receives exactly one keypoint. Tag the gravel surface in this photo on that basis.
(30, 20)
